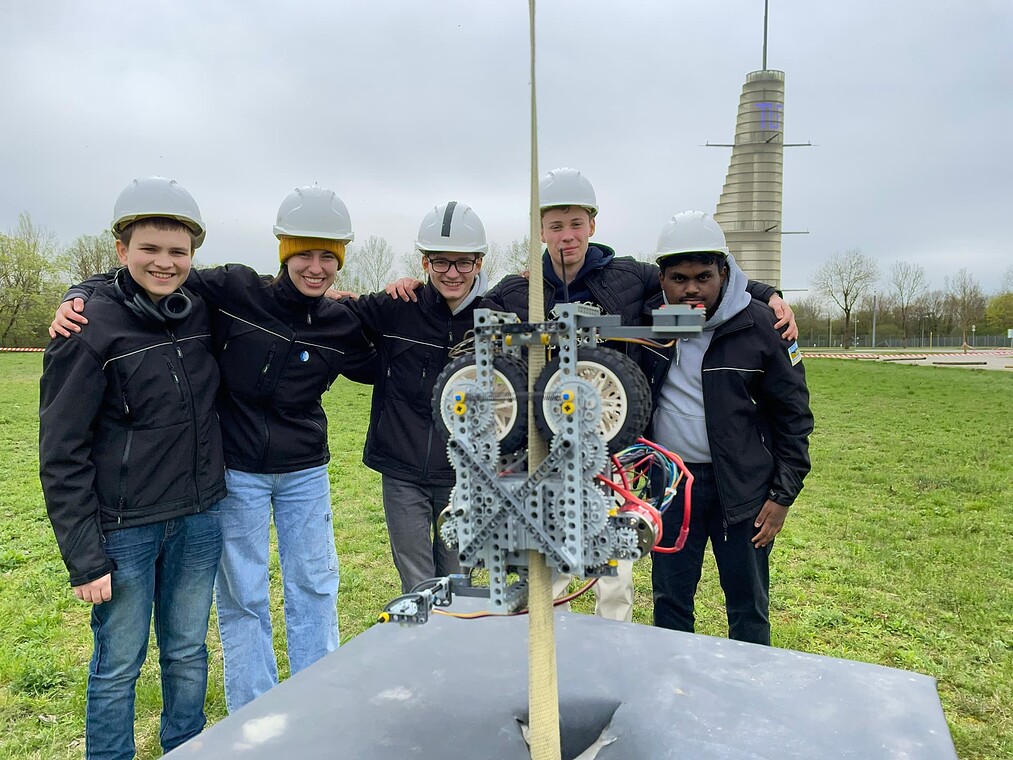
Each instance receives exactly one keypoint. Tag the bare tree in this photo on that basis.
(411, 266)
(965, 300)
(1006, 281)
(810, 314)
(494, 262)
(30, 286)
(931, 307)
(91, 254)
(518, 254)
(908, 281)
(368, 267)
(844, 279)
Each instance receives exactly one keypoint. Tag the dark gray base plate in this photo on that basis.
(455, 689)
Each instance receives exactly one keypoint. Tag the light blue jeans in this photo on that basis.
(301, 505)
(169, 566)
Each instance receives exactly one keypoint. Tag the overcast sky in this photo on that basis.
(401, 104)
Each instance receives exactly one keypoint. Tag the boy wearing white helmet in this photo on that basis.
(575, 269)
(133, 482)
(733, 403)
(413, 341)
(280, 344)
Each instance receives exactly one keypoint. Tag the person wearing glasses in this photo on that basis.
(413, 341)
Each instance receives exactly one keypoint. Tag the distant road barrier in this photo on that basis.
(38, 350)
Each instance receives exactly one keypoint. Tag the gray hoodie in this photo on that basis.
(478, 289)
(680, 422)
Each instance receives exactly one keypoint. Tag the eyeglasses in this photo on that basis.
(461, 265)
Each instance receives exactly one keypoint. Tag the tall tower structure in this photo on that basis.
(749, 210)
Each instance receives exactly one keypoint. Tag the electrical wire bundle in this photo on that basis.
(636, 466)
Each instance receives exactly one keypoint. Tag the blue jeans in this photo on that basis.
(742, 568)
(301, 503)
(412, 510)
(170, 565)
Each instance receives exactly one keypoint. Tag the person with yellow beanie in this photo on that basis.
(280, 344)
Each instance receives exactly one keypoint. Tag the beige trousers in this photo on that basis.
(613, 595)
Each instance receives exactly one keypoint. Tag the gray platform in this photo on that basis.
(455, 689)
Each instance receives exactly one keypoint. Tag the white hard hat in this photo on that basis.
(314, 212)
(157, 196)
(566, 187)
(452, 227)
(690, 232)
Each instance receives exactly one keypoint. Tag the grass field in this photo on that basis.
(899, 552)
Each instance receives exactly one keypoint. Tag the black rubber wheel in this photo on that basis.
(625, 395)
(510, 380)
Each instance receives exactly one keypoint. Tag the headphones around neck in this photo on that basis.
(174, 307)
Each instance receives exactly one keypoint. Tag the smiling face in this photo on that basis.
(452, 284)
(565, 232)
(693, 283)
(158, 260)
(312, 272)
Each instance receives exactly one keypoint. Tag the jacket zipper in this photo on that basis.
(429, 435)
(175, 378)
(121, 502)
(193, 422)
(263, 375)
(267, 365)
(121, 505)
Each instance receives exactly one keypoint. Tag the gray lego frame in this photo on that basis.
(495, 519)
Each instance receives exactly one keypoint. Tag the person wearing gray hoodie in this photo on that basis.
(733, 403)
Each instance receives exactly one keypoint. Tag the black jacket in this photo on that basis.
(757, 411)
(278, 351)
(413, 341)
(621, 286)
(128, 433)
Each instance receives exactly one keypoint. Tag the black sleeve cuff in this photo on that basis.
(92, 575)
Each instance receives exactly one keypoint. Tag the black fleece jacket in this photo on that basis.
(413, 341)
(128, 433)
(757, 410)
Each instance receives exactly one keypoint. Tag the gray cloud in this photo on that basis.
(399, 105)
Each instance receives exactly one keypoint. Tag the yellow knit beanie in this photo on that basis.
(290, 246)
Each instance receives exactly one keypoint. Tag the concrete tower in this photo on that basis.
(749, 210)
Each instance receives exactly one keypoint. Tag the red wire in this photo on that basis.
(680, 541)
(620, 470)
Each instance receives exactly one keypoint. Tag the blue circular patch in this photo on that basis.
(304, 356)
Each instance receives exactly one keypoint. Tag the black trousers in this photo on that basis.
(742, 568)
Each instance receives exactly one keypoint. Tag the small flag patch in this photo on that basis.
(794, 353)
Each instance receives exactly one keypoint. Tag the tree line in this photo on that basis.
(849, 292)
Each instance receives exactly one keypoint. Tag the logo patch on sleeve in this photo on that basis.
(794, 353)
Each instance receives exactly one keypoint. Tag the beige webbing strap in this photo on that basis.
(543, 691)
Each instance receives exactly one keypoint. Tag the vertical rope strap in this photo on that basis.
(543, 690)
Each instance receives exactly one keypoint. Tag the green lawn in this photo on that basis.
(899, 552)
